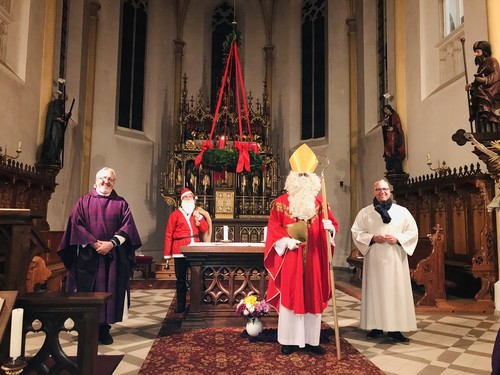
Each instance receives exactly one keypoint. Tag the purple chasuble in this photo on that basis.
(96, 217)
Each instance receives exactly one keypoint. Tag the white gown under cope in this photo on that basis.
(386, 297)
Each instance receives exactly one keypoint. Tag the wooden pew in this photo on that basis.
(427, 268)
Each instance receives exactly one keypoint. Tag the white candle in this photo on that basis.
(265, 233)
(428, 158)
(226, 232)
(16, 333)
(19, 146)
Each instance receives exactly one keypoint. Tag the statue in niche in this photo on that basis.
(244, 184)
(255, 184)
(205, 182)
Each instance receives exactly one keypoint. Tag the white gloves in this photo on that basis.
(328, 225)
(286, 242)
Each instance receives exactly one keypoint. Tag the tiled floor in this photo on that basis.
(443, 344)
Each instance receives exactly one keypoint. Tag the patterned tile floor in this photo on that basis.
(443, 344)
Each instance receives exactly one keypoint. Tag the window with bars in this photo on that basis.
(313, 50)
(132, 63)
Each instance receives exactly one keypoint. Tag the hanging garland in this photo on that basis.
(226, 159)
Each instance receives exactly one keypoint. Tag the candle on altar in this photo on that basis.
(265, 233)
(225, 229)
(428, 158)
(16, 333)
(19, 146)
(222, 141)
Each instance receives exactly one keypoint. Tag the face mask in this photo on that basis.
(188, 205)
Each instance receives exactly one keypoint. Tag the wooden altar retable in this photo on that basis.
(221, 275)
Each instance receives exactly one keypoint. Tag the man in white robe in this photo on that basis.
(386, 234)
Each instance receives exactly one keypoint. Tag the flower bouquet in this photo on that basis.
(251, 308)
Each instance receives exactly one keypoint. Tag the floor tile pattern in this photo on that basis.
(443, 344)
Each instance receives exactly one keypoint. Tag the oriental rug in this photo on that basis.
(231, 351)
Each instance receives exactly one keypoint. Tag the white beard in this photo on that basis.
(302, 192)
(188, 206)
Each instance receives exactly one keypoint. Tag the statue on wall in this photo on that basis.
(55, 126)
(394, 141)
(485, 90)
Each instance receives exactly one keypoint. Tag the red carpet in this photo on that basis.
(229, 351)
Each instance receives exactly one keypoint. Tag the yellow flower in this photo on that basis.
(250, 300)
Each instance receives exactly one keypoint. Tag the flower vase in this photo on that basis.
(254, 327)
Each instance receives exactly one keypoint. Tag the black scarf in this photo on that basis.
(382, 208)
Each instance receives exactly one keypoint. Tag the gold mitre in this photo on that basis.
(303, 160)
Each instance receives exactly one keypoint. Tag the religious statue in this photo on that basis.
(244, 184)
(485, 90)
(394, 141)
(206, 182)
(55, 127)
(255, 184)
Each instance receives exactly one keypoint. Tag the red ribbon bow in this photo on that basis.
(205, 145)
(244, 157)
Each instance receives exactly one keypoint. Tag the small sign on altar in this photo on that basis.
(224, 203)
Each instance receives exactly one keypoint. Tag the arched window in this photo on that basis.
(132, 62)
(222, 18)
(314, 48)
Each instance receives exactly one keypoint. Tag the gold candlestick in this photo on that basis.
(14, 366)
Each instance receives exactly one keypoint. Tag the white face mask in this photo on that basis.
(188, 205)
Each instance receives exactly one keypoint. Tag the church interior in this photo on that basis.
(171, 94)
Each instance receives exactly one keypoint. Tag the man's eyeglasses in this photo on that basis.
(303, 174)
(378, 190)
(109, 179)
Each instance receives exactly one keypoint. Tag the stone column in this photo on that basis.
(88, 115)
(353, 112)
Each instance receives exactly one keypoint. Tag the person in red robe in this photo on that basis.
(296, 256)
(183, 228)
(98, 249)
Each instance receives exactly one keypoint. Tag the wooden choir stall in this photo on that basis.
(455, 261)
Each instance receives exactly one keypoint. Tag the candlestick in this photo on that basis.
(16, 333)
(226, 232)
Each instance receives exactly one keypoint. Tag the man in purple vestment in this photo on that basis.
(98, 249)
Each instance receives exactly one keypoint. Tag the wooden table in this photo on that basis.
(221, 275)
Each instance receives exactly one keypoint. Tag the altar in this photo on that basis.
(221, 275)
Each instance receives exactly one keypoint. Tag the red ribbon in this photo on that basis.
(205, 145)
(244, 157)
